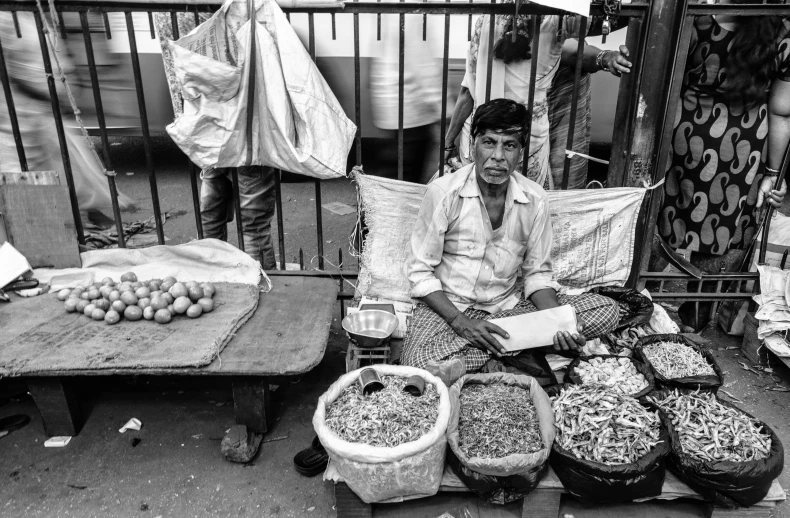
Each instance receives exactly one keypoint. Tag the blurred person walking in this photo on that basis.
(422, 92)
(511, 76)
(30, 94)
(731, 132)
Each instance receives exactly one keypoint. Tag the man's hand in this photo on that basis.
(480, 333)
(564, 341)
(617, 62)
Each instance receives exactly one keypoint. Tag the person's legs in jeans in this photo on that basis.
(256, 192)
(216, 198)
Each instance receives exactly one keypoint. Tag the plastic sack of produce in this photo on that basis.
(692, 367)
(492, 417)
(626, 376)
(413, 467)
(635, 308)
(730, 469)
(608, 448)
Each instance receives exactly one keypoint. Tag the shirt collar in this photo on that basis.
(470, 188)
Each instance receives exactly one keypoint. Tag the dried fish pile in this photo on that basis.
(617, 374)
(497, 420)
(387, 418)
(603, 426)
(711, 431)
(675, 360)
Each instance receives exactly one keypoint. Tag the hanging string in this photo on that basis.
(52, 40)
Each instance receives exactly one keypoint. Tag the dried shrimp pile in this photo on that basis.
(617, 374)
(387, 418)
(498, 420)
(676, 360)
(603, 426)
(710, 430)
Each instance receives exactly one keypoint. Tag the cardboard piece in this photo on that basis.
(536, 329)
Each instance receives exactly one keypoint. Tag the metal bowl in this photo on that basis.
(371, 327)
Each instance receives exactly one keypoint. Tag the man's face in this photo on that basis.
(496, 156)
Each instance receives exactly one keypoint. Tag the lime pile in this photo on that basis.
(157, 299)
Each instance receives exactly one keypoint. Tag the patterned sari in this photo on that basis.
(718, 150)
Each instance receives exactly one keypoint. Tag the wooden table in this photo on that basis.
(286, 336)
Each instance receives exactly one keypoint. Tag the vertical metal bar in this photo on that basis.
(107, 30)
(469, 26)
(318, 215)
(151, 24)
(149, 158)
(193, 176)
(401, 67)
(234, 173)
(334, 33)
(64, 150)
(174, 25)
(424, 24)
(62, 25)
(20, 149)
(105, 143)
(278, 203)
(445, 69)
(574, 102)
(15, 18)
(378, 25)
(288, 17)
(489, 68)
(357, 91)
(623, 115)
(339, 268)
(535, 24)
(301, 259)
(197, 17)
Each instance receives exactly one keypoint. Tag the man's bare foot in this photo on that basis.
(100, 219)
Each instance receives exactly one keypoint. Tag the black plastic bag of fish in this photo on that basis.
(608, 447)
(500, 434)
(635, 309)
(720, 451)
(678, 362)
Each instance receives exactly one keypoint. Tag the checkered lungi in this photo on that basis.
(429, 337)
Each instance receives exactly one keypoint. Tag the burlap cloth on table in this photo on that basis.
(37, 335)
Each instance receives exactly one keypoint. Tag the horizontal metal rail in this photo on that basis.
(107, 6)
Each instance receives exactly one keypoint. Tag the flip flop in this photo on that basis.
(13, 422)
(311, 461)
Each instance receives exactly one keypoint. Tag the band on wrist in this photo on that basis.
(599, 59)
(451, 147)
(450, 322)
(770, 171)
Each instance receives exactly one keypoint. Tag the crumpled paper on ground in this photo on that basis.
(774, 314)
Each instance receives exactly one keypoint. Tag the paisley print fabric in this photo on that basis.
(718, 150)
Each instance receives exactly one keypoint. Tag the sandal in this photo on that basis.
(13, 422)
(311, 461)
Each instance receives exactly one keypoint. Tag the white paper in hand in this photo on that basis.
(536, 329)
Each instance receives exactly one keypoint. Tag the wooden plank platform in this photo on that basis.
(286, 336)
(545, 501)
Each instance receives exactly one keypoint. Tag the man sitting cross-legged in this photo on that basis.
(475, 230)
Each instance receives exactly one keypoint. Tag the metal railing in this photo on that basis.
(728, 285)
(647, 100)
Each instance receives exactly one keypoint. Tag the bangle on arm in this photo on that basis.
(770, 171)
(600, 57)
(451, 147)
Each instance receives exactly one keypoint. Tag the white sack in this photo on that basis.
(593, 238)
(376, 473)
(297, 124)
(205, 260)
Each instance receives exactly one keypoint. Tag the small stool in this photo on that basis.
(357, 357)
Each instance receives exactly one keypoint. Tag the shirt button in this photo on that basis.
(486, 267)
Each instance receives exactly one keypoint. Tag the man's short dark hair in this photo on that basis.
(501, 116)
